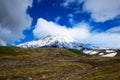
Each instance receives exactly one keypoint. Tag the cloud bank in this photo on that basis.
(107, 40)
(13, 20)
(44, 27)
(100, 10)
(81, 33)
(67, 3)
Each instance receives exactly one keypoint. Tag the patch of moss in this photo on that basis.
(79, 52)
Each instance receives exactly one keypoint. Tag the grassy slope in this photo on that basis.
(55, 64)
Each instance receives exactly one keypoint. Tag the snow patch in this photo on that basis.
(110, 54)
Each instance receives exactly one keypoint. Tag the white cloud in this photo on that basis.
(71, 18)
(44, 27)
(2, 43)
(38, 1)
(80, 32)
(70, 15)
(14, 19)
(57, 19)
(114, 30)
(67, 3)
(73, 4)
(107, 40)
(102, 10)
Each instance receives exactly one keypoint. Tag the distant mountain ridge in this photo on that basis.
(59, 41)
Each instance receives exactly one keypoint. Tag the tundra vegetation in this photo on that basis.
(55, 64)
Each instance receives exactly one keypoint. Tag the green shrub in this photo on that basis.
(79, 52)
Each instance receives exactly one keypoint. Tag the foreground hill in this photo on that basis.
(55, 64)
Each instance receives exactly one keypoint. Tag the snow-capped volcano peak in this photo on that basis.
(59, 38)
(53, 41)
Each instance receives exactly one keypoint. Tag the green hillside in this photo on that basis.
(55, 64)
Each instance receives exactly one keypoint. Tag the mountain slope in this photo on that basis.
(59, 41)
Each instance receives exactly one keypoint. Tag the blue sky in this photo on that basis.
(87, 21)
